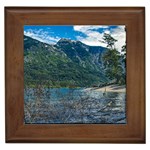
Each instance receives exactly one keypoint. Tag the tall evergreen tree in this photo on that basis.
(112, 58)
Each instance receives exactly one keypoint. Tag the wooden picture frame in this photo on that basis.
(134, 20)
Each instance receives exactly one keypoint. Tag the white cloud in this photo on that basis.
(120, 35)
(107, 31)
(88, 34)
(93, 37)
(87, 28)
(42, 36)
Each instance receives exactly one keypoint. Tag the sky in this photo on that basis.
(87, 34)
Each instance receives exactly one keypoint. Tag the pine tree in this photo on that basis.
(112, 58)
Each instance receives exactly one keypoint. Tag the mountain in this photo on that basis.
(67, 63)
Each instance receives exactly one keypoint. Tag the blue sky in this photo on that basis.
(88, 34)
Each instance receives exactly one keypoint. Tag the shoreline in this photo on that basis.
(109, 88)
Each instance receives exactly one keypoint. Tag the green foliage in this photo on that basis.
(114, 61)
(123, 50)
(62, 65)
(109, 40)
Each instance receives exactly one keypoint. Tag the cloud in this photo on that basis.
(88, 34)
(93, 36)
(120, 35)
(41, 35)
(87, 28)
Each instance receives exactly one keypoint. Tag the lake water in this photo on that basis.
(79, 105)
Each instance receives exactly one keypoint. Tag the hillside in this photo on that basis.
(66, 64)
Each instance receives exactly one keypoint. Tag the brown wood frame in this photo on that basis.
(132, 132)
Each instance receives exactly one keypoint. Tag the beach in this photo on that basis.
(109, 88)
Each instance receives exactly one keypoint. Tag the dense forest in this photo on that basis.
(71, 63)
